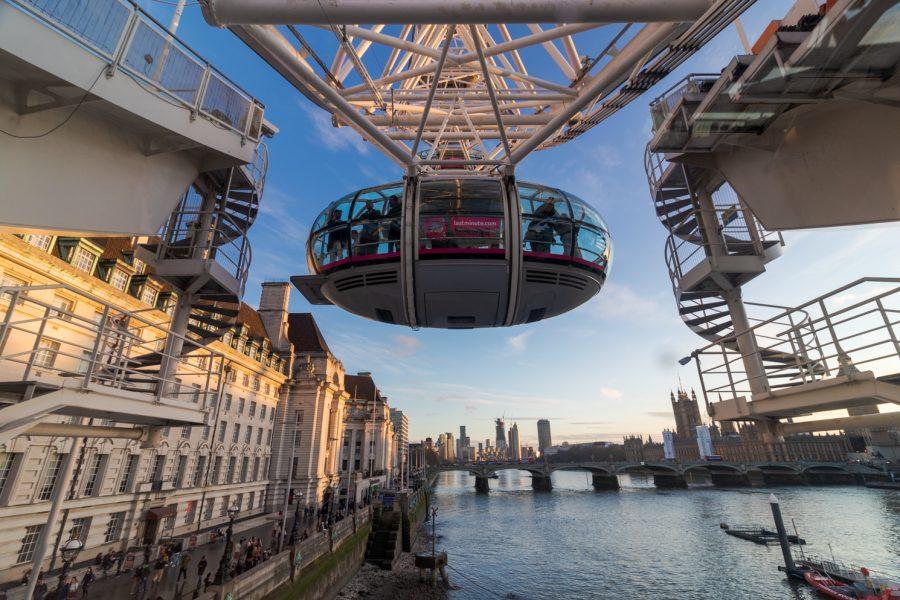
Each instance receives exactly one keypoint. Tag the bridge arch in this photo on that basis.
(715, 468)
(534, 471)
(779, 468)
(651, 468)
(825, 468)
(592, 469)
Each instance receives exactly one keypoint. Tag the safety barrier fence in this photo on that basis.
(285, 566)
(851, 329)
(135, 43)
(63, 336)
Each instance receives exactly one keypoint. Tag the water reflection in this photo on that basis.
(641, 542)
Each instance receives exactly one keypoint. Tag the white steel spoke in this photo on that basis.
(481, 93)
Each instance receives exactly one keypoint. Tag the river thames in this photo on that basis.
(641, 542)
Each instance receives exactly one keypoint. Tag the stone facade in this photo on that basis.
(368, 448)
(310, 420)
(126, 495)
(826, 448)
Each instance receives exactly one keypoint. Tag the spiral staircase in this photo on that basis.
(715, 245)
(203, 252)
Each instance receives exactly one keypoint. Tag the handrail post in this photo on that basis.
(888, 325)
(97, 341)
(839, 351)
(37, 342)
(123, 43)
(201, 92)
(727, 362)
(7, 318)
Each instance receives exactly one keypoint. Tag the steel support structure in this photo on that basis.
(230, 12)
(467, 84)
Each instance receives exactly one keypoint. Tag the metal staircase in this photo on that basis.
(203, 252)
(715, 245)
(54, 362)
(839, 351)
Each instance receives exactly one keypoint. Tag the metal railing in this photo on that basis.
(259, 168)
(194, 233)
(851, 329)
(135, 43)
(91, 342)
(734, 236)
(731, 229)
(663, 105)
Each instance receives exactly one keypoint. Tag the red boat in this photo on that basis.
(832, 588)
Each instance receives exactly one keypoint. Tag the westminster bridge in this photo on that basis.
(605, 475)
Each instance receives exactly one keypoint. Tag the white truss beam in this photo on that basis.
(262, 12)
(481, 92)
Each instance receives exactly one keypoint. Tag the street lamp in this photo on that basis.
(294, 528)
(334, 503)
(69, 551)
(229, 547)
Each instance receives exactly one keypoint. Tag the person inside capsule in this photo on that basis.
(460, 217)
(337, 237)
(395, 208)
(368, 236)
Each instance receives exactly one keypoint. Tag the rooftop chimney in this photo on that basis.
(273, 306)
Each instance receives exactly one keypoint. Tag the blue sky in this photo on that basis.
(599, 372)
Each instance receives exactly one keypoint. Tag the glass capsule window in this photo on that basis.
(375, 222)
(559, 224)
(461, 216)
(361, 225)
(331, 239)
(546, 223)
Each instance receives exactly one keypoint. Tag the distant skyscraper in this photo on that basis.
(687, 414)
(515, 449)
(462, 444)
(544, 441)
(501, 434)
(451, 447)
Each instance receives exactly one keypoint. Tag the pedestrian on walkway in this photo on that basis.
(40, 590)
(201, 569)
(73, 589)
(185, 563)
(86, 582)
(159, 569)
(107, 563)
(207, 581)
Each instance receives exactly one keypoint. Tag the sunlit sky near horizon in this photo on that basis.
(599, 372)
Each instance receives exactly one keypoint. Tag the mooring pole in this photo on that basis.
(782, 535)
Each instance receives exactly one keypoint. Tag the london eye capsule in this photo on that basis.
(457, 252)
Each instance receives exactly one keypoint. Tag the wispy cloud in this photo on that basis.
(406, 345)
(333, 138)
(659, 414)
(462, 394)
(518, 343)
(278, 212)
(857, 295)
(611, 393)
(373, 354)
(620, 301)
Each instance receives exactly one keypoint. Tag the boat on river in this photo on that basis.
(840, 590)
(758, 534)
